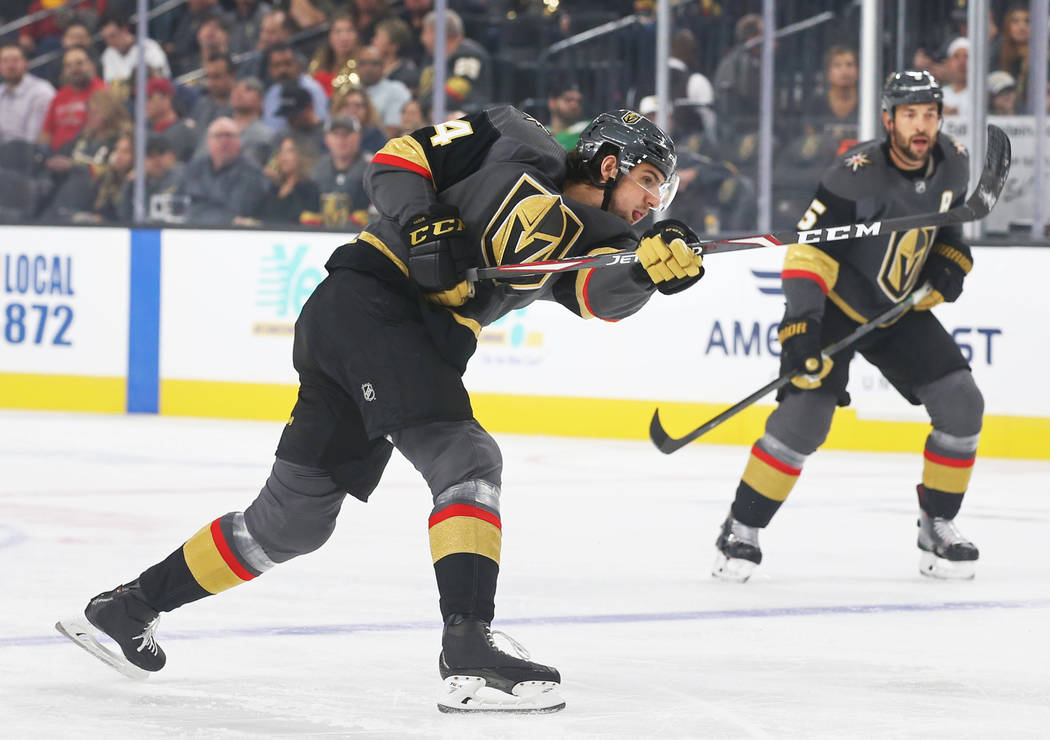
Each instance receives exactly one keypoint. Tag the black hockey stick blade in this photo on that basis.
(977, 206)
(668, 444)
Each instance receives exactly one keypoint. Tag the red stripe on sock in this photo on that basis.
(951, 462)
(773, 462)
(464, 510)
(805, 275)
(395, 161)
(227, 553)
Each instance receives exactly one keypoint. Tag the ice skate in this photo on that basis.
(738, 551)
(128, 620)
(479, 677)
(945, 552)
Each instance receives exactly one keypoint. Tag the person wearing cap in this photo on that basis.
(340, 174)
(285, 66)
(302, 123)
(163, 120)
(224, 186)
(956, 94)
(565, 106)
(162, 172)
(1002, 93)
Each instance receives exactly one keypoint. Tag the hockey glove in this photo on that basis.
(666, 259)
(944, 270)
(439, 254)
(800, 352)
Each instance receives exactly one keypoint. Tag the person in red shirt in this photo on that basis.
(68, 110)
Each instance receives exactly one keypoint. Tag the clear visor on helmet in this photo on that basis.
(662, 192)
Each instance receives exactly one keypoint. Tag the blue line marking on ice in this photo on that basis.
(788, 611)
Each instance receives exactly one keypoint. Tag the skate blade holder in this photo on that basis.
(471, 694)
(732, 569)
(81, 632)
(933, 566)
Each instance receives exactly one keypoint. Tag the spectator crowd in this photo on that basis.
(266, 112)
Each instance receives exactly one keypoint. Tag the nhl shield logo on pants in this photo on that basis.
(368, 391)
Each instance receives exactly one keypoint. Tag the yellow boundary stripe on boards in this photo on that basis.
(1003, 436)
(63, 393)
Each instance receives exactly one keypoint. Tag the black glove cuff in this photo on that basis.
(670, 287)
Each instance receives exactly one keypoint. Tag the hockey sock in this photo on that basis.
(221, 555)
(766, 482)
(465, 541)
(947, 466)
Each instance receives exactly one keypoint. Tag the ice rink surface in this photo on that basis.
(607, 548)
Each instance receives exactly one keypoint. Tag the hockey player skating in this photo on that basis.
(380, 348)
(833, 287)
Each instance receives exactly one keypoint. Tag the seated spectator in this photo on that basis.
(182, 48)
(276, 28)
(303, 127)
(182, 134)
(953, 79)
(388, 96)
(1009, 51)
(119, 166)
(256, 137)
(339, 175)
(334, 64)
(356, 104)
(76, 34)
(1002, 94)
(224, 185)
(835, 114)
(162, 172)
(412, 117)
(369, 14)
(78, 164)
(285, 66)
(413, 16)
(565, 106)
(213, 40)
(24, 99)
(45, 34)
(246, 24)
(68, 110)
(391, 38)
(291, 197)
(468, 82)
(218, 80)
(738, 78)
(121, 56)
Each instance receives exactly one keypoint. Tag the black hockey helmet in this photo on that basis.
(637, 140)
(909, 88)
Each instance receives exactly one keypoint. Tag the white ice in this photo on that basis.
(605, 574)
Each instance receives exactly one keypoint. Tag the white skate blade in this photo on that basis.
(934, 567)
(732, 569)
(470, 694)
(81, 632)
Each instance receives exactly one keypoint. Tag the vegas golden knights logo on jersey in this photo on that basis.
(531, 225)
(904, 258)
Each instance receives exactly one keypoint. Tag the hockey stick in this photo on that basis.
(668, 444)
(977, 206)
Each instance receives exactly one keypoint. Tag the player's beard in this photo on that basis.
(904, 147)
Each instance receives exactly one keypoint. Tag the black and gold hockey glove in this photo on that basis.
(439, 254)
(666, 259)
(945, 269)
(800, 352)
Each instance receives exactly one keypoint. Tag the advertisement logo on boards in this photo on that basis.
(286, 278)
